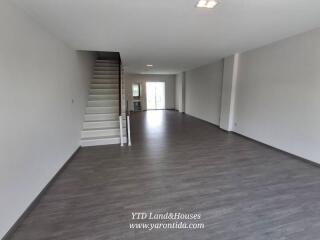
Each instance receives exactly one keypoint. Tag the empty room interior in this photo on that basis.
(162, 120)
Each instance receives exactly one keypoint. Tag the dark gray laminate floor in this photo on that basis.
(244, 190)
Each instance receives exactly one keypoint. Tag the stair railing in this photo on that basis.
(120, 101)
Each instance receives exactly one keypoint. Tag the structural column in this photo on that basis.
(180, 92)
(230, 75)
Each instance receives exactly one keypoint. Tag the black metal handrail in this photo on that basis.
(120, 86)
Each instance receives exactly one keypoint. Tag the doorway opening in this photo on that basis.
(155, 95)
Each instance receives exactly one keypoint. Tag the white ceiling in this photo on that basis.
(172, 35)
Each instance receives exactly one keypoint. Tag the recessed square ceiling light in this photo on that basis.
(202, 4)
(207, 3)
(212, 4)
(149, 65)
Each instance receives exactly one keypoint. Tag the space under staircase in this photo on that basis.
(105, 109)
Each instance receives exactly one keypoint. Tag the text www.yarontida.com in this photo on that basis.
(175, 225)
(168, 220)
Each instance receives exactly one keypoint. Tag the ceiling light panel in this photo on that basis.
(207, 3)
(202, 4)
(211, 4)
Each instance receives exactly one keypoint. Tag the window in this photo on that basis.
(135, 90)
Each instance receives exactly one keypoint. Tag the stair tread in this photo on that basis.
(114, 88)
(107, 60)
(105, 91)
(104, 83)
(115, 67)
(101, 113)
(106, 72)
(95, 98)
(108, 77)
(99, 138)
(115, 114)
(113, 95)
(111, 73)
(111, 64)
(104, 107)
(99, 94)
(105, 101)
(100, 121)
(105, 80)
(123, 114)
(102, 128)
(112, 77)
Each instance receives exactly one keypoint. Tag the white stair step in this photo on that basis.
(103, 103)
(93, 97)
(95, 110)
(108, 64)
(106, 76)
(106, 132)
(115, 65)
(103, 86)
(94, 117)
(101, 141)
(101, 117)
(103, 91)
(105, 81)
(106, 72)
(102, 124)
(107, 61)
(106, 68)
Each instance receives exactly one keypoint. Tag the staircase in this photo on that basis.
(101, 121)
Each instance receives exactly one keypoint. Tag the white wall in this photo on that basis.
(39, 124)
(203, 92)
(142, 79)
(270, 94)
(278, 95)
(180, 92)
